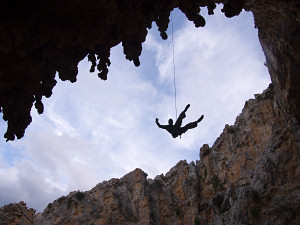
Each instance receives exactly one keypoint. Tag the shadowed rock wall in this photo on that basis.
(251, 173)
(40, 38)
(278, 24)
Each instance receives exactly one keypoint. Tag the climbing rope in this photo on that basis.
(174, 71)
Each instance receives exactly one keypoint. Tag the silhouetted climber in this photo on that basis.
(176, 129)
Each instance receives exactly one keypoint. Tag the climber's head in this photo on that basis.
(170, 122)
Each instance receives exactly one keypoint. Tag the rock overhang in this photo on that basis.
(39, 39)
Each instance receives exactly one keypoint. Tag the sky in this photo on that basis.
(95, 130)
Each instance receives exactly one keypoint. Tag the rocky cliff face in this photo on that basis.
(16, 214)
(278, 26)
(251, 175)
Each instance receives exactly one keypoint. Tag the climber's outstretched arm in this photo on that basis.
(159, 125)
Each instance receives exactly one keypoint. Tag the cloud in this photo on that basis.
(94, 130)
(89, 132)
(24, 182)
(218, 68)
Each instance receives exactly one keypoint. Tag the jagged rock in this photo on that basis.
(254, 163)
(39, 39)
(204, 151)
(16, 214)
(250, 176)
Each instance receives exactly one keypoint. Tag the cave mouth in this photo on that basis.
(44, 38)
(40, 45)
(62, 132)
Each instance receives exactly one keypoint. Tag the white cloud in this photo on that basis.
(217, 70)
(24, 182)
(94, 130)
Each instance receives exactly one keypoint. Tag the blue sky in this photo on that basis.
(94, 130)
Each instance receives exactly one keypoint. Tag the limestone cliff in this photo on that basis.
(251, 175)
(16, 214)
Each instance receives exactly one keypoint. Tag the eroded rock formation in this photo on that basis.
(40, 38)
(251, 175)
(16, 214)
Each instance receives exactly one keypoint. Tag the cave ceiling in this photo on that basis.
(40, 38)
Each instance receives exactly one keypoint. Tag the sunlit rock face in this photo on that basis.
(251, 175)
(39, 39)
